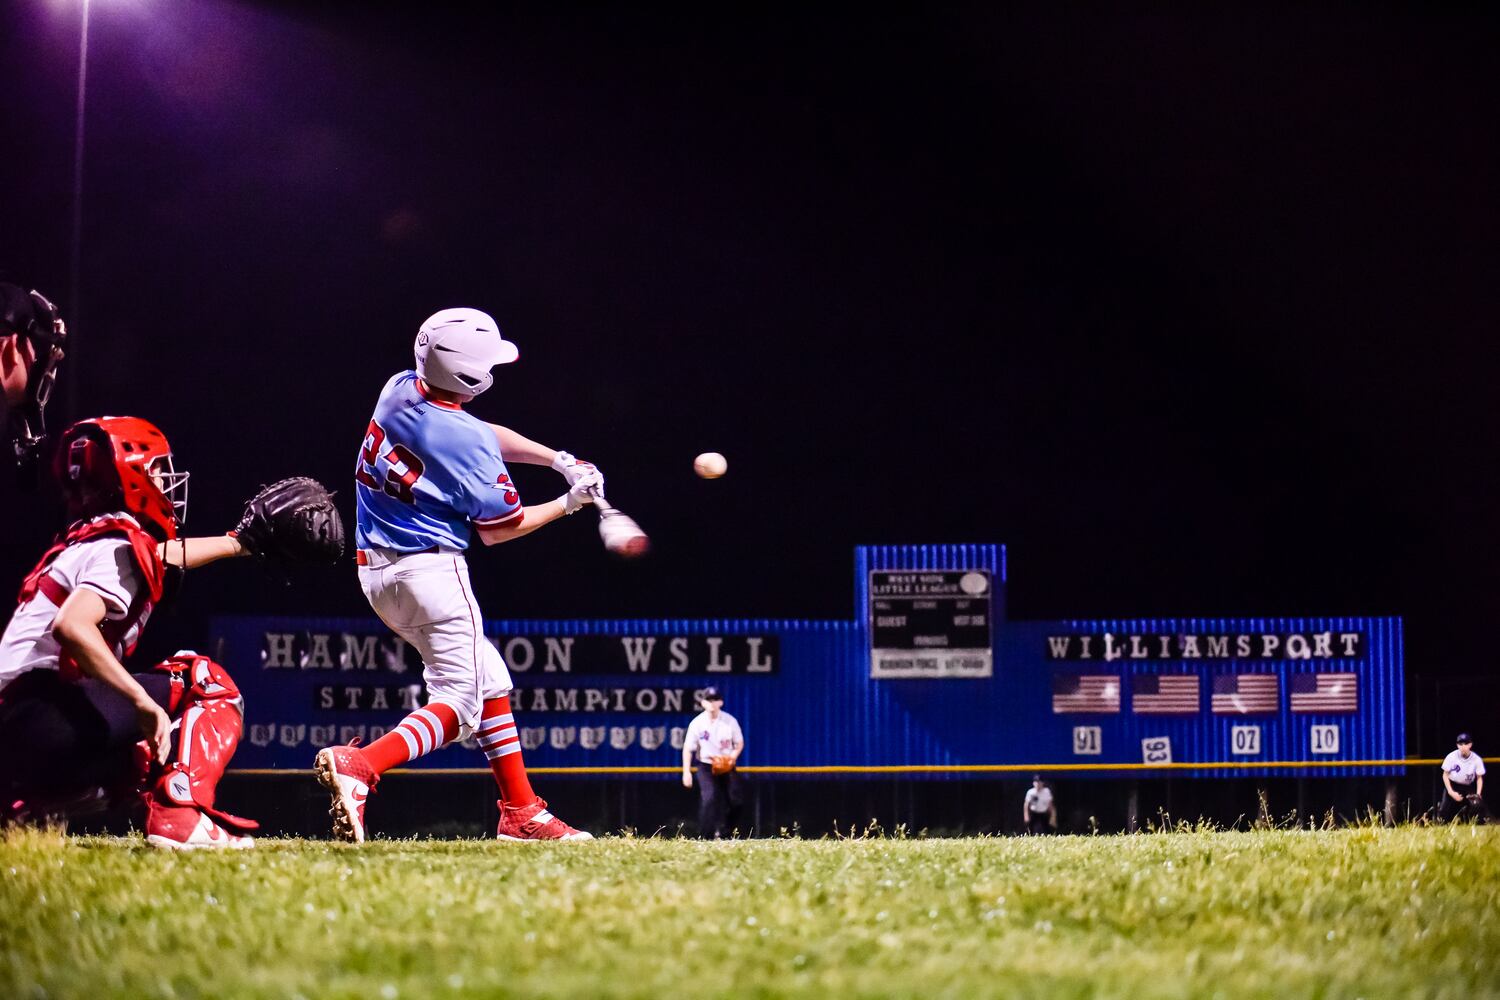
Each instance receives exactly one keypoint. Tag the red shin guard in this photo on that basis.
(209, 713)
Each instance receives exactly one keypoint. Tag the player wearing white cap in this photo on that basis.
(428, 476)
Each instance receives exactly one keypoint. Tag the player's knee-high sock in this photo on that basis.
(423, 731)
(502, 746)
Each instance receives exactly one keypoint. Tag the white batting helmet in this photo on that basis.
(456, 348)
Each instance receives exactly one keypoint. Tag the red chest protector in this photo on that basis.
(142, 546)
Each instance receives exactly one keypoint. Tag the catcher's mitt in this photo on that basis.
(292, 522)
(723, 764)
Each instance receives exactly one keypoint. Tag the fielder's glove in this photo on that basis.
(574, 469)
(722, 764)
(292, 522)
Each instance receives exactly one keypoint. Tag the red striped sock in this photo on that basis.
(502, 746)
(423, 731)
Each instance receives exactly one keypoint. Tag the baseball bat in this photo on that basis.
(618, 530)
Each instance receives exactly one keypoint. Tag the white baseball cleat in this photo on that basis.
(349, 779)
(184, 828)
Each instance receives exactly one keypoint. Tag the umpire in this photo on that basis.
(32, 339)
(1039, 811)
(1463, 781)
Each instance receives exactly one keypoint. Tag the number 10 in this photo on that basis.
(1325, 739)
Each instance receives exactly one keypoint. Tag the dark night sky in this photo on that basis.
(1196, 315)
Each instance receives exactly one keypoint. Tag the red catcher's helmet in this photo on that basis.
(122, 463)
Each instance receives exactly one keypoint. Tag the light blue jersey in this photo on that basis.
(427, 471)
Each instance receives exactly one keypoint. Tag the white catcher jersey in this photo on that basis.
(104, 565)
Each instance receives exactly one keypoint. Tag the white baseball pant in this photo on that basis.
(425, 598)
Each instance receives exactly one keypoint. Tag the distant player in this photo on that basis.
(1463, 782)
(75, 726)
(1038, 810)
(428, 474)
(712, 747)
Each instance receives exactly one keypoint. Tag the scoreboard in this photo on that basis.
(932, 624)
(928, 676)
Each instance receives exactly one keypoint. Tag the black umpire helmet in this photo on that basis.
(33, 318)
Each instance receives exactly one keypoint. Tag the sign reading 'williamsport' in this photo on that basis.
(931, 624)
(542, 654)
(1208, 646)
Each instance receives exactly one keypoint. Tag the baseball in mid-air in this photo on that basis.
(710, 465)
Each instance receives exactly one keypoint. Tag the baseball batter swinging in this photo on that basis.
(429, 474)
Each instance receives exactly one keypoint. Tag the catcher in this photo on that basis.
(78, 732)
(715, 739)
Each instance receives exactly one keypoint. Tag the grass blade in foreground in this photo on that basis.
(1357, 912)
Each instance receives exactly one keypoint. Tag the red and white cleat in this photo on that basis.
(534, 822)
(183, 828)
(349, 779)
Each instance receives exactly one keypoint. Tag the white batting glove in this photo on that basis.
(573, 468)
(581, 492)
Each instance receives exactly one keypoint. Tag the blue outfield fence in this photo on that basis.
(928, 679)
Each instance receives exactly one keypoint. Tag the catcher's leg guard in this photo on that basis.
(180, 809)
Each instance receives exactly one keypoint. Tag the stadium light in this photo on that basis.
(75, 244)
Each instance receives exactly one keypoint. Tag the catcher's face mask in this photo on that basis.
(173, 485)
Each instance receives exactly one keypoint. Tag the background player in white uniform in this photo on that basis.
(713, 736)
(1038, 811)
(1463, 781)
(428, 476)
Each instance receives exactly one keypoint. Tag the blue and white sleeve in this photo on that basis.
(491, 499)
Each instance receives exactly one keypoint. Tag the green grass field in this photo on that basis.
(1356, 912)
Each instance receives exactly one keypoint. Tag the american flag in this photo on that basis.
(1164, 694)
(1246, 694)
(1099, 693)
(1325, 693)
